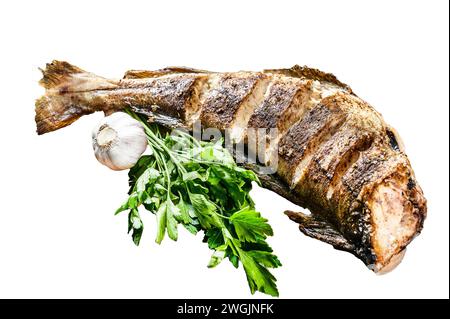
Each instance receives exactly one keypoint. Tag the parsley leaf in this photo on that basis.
(198, 185)
(250, 226)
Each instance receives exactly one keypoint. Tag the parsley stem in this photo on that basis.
(217, 201)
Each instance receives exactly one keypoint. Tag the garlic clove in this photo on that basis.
(117, 119)
(121, 160)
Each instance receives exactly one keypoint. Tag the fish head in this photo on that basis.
(397, 210)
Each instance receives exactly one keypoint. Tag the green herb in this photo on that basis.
(198, 185)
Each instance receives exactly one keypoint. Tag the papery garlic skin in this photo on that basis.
(118, 141)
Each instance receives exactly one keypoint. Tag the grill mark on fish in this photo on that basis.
(349, 158)
(209, 83)
(228, 95)
(364, 170)
(330, 162)
(350, 153)
(301, 168)
(302, 96)
(296, 148)
(173, 94)
(285, 102)
(245, 111)
(199, 88)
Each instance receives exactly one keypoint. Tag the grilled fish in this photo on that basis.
(336, 155)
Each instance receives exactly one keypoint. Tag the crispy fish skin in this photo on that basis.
(337, 157)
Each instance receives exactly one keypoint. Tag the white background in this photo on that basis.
(58, 235)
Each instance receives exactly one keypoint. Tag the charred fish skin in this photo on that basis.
(337, 156)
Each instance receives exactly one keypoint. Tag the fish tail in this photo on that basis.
(52, 113)
(58, 73)
(68, 95)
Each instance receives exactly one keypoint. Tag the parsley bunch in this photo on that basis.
(197, 184)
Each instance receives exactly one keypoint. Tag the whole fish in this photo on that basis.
(335, 154)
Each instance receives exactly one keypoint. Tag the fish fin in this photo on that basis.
(166, 121)
(56, 73)
(54, 112)
(318, 228)
(142, 74)
(65, 86)
(310, 73)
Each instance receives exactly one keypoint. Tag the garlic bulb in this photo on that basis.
(119, 141)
